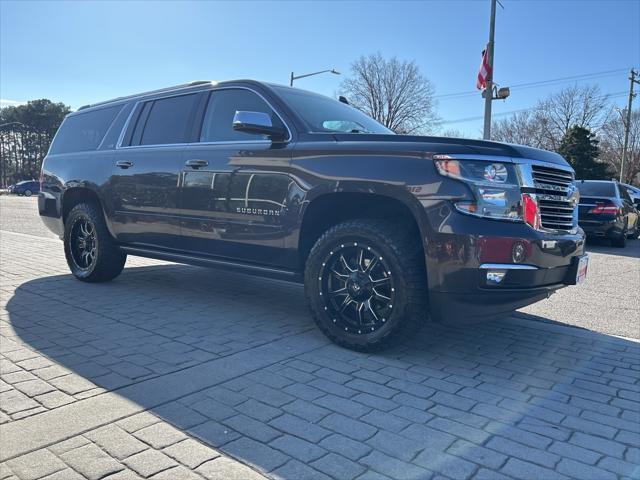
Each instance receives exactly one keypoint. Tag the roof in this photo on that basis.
(183, 86)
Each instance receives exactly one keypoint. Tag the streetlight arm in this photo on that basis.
(296, 77)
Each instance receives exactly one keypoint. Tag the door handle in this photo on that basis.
(124, 164)
(196, 163)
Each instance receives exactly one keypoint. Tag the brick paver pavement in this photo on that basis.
(174, 372)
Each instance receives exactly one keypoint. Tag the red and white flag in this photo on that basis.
(484, 74)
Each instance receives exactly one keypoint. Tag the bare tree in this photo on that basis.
(393, 92)
(549, 121)
(452, 133)
(612, 143)
(524, 128)
(582, 106)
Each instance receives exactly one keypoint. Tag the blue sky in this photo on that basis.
(82, 52)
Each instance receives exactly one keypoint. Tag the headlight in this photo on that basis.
(494, 185)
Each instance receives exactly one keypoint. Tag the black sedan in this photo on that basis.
(606, 210)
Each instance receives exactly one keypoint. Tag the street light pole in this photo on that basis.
(489, 87)
(296, 77)
(627, 125)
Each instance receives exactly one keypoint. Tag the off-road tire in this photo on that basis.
(403, 256)
(109, 259)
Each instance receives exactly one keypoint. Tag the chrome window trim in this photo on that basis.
(125, 127)
(224, 142)
(506, 266)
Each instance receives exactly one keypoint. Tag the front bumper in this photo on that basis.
(461, 249)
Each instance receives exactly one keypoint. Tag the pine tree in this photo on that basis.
(580, 148)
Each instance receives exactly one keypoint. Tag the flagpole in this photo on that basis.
(488, 93)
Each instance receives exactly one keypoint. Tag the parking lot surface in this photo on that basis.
(174, 372)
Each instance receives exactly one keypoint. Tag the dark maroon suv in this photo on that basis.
(384, 230)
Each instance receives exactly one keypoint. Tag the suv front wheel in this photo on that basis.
(366, 285)
(91, 253)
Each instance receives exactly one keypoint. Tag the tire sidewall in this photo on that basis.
(313, 288)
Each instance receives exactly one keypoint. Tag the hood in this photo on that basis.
(446, 145)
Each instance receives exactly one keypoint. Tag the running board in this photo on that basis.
(256, 270)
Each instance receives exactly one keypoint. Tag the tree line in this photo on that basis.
(579, 122)
(26, 132)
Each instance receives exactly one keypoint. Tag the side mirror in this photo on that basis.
(258, 123)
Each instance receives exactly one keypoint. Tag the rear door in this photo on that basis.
(236, 187)
(146, 172)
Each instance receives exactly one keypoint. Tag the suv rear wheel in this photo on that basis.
(366, 285)
(91, 253)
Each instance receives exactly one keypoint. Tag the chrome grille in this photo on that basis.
(553, 191)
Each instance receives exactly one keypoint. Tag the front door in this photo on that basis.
(145, 181)
(236, 188)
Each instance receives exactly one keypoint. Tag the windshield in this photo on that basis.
(323, 114)
(597, 189)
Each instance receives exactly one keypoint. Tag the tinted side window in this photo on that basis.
(169, 120)
(84, 131)
(223, 105)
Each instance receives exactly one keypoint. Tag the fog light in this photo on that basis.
(518, 252)
(494, 277)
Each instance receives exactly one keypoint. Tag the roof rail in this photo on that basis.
(150, 92)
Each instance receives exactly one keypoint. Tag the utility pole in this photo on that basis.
(489, 88)
(627, 125)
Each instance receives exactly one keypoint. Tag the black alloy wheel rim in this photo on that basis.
(357, 288)
(83, 243)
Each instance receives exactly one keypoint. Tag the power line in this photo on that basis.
(574, 77)
(552, 81)
(511, 112)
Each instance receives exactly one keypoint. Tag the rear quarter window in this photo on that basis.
(84, 131)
